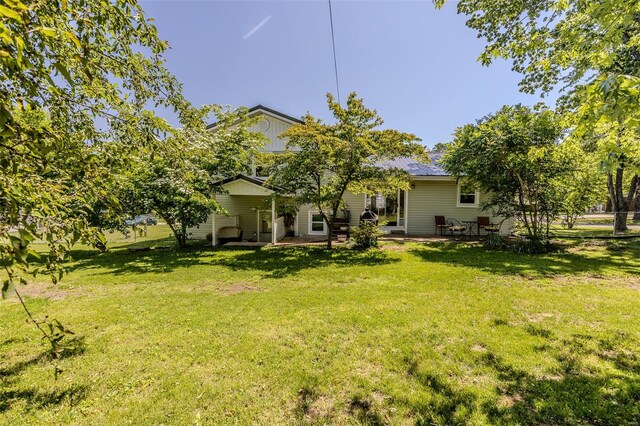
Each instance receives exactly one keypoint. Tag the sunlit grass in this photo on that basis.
(432, 333)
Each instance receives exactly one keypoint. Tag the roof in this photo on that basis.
(252, 179)
(260, 181)
(415, 168)
(269, 111)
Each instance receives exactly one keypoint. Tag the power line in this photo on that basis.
(335, 61)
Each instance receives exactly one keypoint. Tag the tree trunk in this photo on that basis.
(620, 219)
(636, 213)
(619, 206)
(329, 236)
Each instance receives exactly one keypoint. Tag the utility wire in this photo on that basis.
(335, 61)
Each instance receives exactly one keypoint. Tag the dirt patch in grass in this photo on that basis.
(320, 408)
(225, 289)
(237, 288)
(628, 282)
(393, 247)
(49, 291)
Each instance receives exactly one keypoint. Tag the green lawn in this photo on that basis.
(591, 231)
(411, 334)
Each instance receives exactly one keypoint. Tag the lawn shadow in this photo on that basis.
(576, 392)
(34, 398)
(567, 262)
(441, 402)
(37, 399)
(122, 261)
(275, 262)
(279, 262)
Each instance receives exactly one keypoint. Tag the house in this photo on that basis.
(432, 192)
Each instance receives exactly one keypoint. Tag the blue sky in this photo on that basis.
(414, 64)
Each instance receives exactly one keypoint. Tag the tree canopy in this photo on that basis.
(178, 179)
(80, 82)
(589, 51)
(512, 155)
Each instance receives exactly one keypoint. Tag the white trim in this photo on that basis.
(272, 115)
(324, 224)
(296, 225)
(447, 178)
(265, 191)
(476, 198)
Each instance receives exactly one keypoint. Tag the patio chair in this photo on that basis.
(228, 234)
(455, 227)
(441, 223)
(494, 228)
(483, 223)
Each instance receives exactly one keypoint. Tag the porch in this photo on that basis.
(252, 211)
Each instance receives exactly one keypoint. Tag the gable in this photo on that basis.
(242, 186)
(271, 126)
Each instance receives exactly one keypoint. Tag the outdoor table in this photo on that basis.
(470, 225)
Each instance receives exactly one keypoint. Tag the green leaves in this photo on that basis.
(5, 12)
(325, 160)
(513, 155)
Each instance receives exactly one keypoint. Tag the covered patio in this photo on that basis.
(253, 216)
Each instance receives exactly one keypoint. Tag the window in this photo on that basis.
(468, 196)
(317, 225)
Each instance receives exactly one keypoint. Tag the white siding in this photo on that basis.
(276, 127)
(438, 198)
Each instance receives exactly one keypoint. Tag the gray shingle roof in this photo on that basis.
(418, 169)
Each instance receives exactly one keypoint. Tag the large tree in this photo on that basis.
(513, 155)
(324, 160)
(587, 49)
(78, 84)
(178, 179)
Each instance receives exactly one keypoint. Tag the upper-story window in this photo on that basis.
(261, 171)
(468, 195)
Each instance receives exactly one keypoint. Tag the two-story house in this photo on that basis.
(433, 192)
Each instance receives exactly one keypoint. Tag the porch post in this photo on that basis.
(406, 211)
(213, 229)
(398, 209)
(273, 222)
(258, 225)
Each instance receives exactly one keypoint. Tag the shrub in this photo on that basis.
(531, 246)
(364, 236)
(494, 241)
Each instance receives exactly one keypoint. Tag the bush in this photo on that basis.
(365, 236)
(531, 246)
(494, 241)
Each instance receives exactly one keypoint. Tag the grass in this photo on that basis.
(411, 334)
(593, 231)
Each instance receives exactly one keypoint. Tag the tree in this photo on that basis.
(587, 48)
(178, 179)
(77, 79)
(323, 161)
(582, 185)
(513, 155)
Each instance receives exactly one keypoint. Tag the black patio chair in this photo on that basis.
(441, 224)
(494, 228)
(456, 227)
